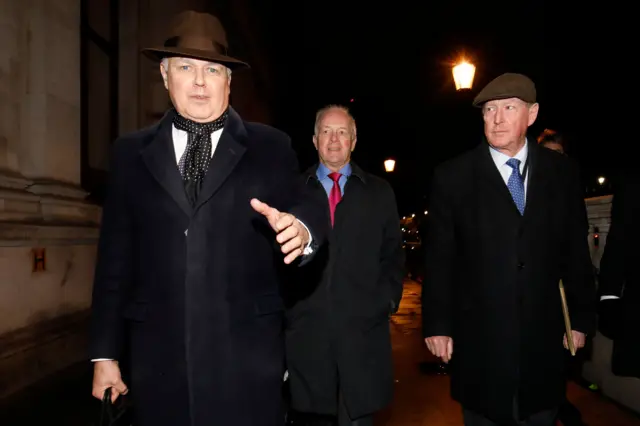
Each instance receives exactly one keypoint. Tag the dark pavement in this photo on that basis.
(421, 399)
(60, 400)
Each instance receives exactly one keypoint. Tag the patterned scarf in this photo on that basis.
(194, 162)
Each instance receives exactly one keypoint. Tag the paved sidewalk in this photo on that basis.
(60, 400)
(423, 399)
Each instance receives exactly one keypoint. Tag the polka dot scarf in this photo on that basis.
(194, 162)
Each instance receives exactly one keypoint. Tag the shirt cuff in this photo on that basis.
(101, 359)
(307, 250)
(608, 297)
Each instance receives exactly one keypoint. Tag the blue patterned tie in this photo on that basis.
(516, 184)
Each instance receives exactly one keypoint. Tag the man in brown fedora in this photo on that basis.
(507, 223)
(188, 272)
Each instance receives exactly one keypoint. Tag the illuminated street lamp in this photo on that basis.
(390, 165)
(463, 74)
(601, 180)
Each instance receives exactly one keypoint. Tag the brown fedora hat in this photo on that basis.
(199, 36)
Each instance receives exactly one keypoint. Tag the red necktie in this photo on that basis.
(335, 195)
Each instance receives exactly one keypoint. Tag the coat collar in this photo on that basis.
(159, 157)
(487, 170)
(356, 171)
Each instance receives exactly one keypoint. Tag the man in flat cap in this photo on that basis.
(203, 211)
(507, 222)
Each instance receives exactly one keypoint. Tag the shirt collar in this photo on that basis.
(501, 159)
(323, 171)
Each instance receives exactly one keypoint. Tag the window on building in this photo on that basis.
(99, 91)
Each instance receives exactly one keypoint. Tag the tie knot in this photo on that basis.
(514, 163)
(335, 176)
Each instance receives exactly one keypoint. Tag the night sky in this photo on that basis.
(396, 65)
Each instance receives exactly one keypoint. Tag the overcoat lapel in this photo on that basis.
(490, 175)
(537, 184)
(536, 178)
(231, 148)
(159, 157)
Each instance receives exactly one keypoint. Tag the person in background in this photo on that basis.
(619, 277)
(568, 414)
(552, 140)
(337, 336)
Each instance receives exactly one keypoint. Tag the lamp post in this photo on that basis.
(389, 165)
(463, 74)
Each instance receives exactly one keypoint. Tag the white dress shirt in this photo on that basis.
(180, 139)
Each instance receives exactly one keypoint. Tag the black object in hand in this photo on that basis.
(610, 318)
(116, 413)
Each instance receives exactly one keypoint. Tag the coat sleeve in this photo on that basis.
(437, 287)
(113, 273)
(579, 280)
(612, 271)
(392, 258)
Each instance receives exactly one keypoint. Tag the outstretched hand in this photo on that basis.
(292, 236)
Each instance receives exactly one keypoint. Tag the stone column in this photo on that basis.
(50, 113)
(12, 82)
(129, 47)
(40, 105)
(48, 233)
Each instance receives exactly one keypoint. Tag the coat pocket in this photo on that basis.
(247, 310)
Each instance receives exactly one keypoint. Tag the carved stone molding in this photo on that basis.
(41, 202)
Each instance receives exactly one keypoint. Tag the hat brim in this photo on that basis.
(478, 103)
(158, 53)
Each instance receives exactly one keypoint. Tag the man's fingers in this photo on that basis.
(123, 389)
(432, 344)
(293, 256)
(291, 245)
(444, 351)
(259, 206)
(441, 347)
(285, 221)
(287, 234)
(118, 389)
(579, 339)
(263, 208)
(98, 392)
